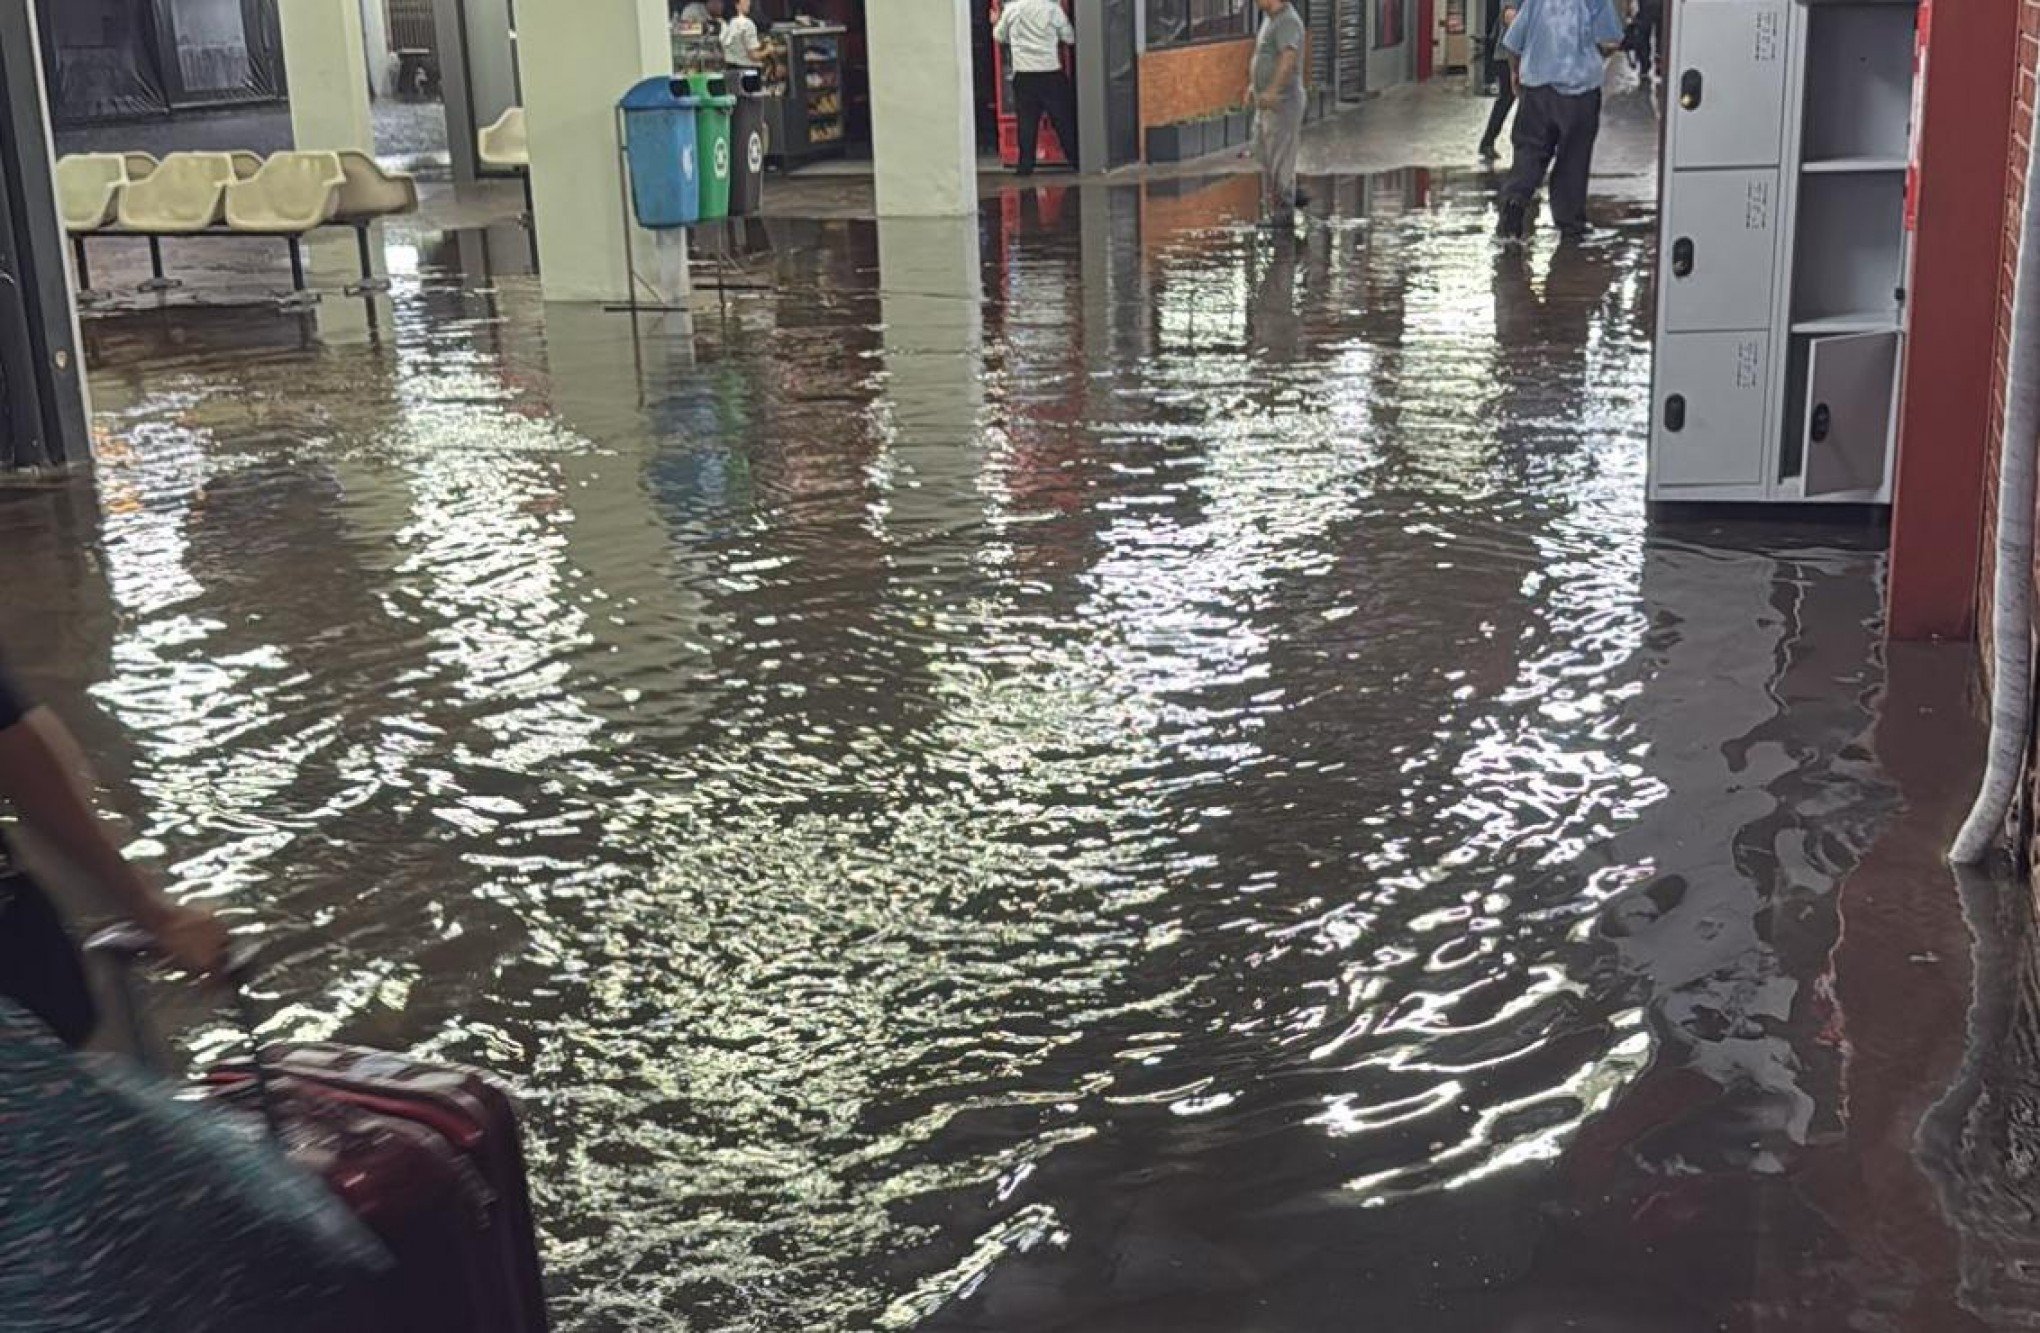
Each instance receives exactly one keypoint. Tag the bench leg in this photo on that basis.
(369, 281)
(157, 282)
(84, 264)
(299, 297)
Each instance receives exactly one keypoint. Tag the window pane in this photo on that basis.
(1173, 22)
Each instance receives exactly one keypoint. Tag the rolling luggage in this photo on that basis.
(427, 1156)
(460, 1108)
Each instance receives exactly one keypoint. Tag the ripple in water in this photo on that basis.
(1107, 804)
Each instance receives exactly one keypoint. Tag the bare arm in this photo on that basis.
(43, 774)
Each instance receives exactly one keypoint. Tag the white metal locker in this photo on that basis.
(1721, 250)
(1728, 84)
(1849, 398)
(1712, 401)
(1783, 250)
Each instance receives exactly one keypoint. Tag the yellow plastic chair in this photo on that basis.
(505, 144)
(292, 194)
(140, 165)
(184, 195)
(371, 193)
(246, 163)
(88, 199)
(88, 190)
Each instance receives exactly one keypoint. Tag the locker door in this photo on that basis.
(1848, 412)
(1721, 250)
(1728, 83)
(1708, 427)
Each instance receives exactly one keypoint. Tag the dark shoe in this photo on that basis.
(1302, 197)
(1515, 223)
(1576, 231)
(1489, 155)
(1023, 171)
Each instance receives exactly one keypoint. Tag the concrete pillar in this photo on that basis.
(1094, 144)
(375, 45)
(43, 413)
(327, 70)
(325, 65)
(923, 111)
(585, 55)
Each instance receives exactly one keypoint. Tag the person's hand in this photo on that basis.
(1267, 101)
(191, 937)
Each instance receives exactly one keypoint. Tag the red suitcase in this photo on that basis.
(464, 1109)
(426, 1156)
(405, 1183)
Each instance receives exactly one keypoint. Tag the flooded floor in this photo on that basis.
(1098, 770)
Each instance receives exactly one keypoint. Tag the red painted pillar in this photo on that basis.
(1427, 37)
(1946, 408)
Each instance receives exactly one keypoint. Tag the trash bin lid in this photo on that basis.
(654, 95)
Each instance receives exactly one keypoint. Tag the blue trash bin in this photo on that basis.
(665, 159)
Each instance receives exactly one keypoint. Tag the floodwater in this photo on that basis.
(1101, 770)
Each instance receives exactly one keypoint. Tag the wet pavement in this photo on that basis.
(1099, 770)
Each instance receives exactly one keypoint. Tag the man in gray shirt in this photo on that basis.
(1275, 88)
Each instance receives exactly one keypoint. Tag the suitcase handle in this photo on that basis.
(128, 946)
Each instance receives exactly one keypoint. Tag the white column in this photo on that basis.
(577, 57)
(375, 45)
(324, 63)
(327, 70)
(923, 111)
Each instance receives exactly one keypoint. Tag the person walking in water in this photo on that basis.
(1505, 85)
(122, 1208)
(1275, 88)
(1036, 31)
(1560, 50)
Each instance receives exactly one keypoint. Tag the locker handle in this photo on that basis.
(1675, 412)
(1823, 422)
(1682, 257)
(1691, 89)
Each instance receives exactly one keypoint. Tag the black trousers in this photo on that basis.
(1505, 102)
(1644, 36)
(1555, 133)
(1038, 95)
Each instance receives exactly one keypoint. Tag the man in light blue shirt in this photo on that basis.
(1560, 51)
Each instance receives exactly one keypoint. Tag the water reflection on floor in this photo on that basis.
(1099, 771)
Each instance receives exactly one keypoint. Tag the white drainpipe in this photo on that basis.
(2011, 717)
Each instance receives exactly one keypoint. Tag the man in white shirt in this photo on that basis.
(740, 44)
(1035, 32)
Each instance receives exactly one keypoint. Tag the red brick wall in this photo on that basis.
(1946, 408)
(2018, 149)
(1186, 82)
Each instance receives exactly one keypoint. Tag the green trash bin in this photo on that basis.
(712, 134)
